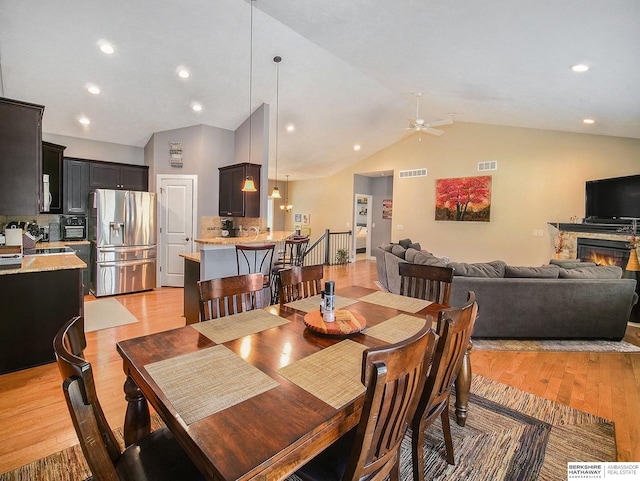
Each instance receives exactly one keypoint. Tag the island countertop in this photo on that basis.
(39, 263)
(275, 236)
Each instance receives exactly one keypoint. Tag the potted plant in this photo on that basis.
(342, 256)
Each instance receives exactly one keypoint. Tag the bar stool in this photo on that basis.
(295, 249)
(254, 258)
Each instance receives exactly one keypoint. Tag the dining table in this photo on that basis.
(256, 395)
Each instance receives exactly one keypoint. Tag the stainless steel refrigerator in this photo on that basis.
(122, 231)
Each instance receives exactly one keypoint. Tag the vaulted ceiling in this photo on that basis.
(348, 73)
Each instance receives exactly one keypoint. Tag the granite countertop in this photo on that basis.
(51, 262)
(40, 263)
(274, 236)
(193, 256)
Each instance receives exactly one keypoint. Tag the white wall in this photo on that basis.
(96, 150)
(540, 178)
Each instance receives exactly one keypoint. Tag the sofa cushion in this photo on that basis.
(593, 272)
(399, 251)
(387, 246)
(405, 243)
(480, 269)
(542, 272)
(571, 263)
(418, 257)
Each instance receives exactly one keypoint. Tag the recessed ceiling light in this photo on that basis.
(588, 121)
(356, 147)
(106, 48)
(580, 68)
(196, 107)
(183, 72)
(84, 120)
(94, 89)
(291, 128)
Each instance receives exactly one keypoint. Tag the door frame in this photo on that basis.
(194, 215)
(369, 222)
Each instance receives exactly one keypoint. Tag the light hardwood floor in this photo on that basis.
(34, 421)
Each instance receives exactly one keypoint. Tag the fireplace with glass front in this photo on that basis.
(604, 252)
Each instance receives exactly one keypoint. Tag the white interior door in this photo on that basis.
(177, 213)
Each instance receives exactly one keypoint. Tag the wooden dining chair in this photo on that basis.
(394, 378)
(431, 283)
(231, 295)
(157, 456)
(252, 258)
(299, 282)
(455, 326)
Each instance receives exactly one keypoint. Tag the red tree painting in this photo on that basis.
(464, 199)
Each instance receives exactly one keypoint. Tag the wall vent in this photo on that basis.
(404, 174)
(488, 165)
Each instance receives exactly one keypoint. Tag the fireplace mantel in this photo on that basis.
(614, 229)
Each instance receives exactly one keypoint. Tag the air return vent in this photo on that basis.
(405, 174)
(488, 165)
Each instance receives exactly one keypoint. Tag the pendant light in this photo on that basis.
(249, 185)
(286, 206)
(277, 59)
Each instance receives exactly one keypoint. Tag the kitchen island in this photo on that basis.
(217, 258)
(38, 297)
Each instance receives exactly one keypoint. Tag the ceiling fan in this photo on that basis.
(419, 125)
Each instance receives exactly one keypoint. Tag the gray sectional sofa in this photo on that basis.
(563, 300)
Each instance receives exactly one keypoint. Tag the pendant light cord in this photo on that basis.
(250, 79)
(277, 60)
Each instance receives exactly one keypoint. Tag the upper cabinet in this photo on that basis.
(105, 175)
(232, 201)
(20, 157)
(52, 160)
(76, 186)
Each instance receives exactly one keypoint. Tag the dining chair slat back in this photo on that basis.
(231, 295)
(455, 326)
(163, 458)
(394, 378)
(431, 283)
(299, 282)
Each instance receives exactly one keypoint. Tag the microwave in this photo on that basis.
(73, 227)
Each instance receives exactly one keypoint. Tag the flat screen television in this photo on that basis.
(615, 198)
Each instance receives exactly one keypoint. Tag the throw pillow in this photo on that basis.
(542, 272)
(597, 272)
(387, 246)
(399, 251)
(415, 245)
(571, 263)
(410, 255)
(480, 269)
(427, 259)
(405, 243)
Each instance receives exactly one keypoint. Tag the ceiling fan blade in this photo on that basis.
(438, 123)
(431, 131)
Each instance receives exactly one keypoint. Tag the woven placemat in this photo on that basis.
(205, 382)
(332, 375)
(233, 327)
(402, 303)
(313, 303)
(396, 329)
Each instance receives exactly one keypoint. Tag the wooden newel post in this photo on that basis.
(137, 423)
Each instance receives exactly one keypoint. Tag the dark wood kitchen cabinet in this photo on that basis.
(232, 201)
(76, 186)
(20, 157)
(107, 175)
(52, 164)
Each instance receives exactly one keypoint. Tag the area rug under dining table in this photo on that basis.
(509, 434)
